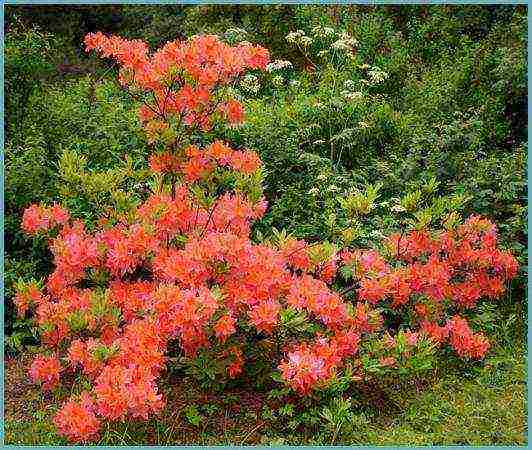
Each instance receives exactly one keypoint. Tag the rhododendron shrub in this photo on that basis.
(184, 82)
(180, 269)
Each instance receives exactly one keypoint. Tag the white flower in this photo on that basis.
(323, 31)
(349, 85)
(278, 80)
(295, 83)
(306, 41)
(346, 42)
(377, 75)
(295, 36)
(278, 64)
(349, 95)
(314, 191)
(363, 124)
(291, 37)
(250, 83)
(340, 45)
(299, 37)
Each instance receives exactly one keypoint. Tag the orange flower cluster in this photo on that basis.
(200, 291)
(37, 218)
(466, 343)
(27, 295)
(199, 164)
(45, 370)
(307, 367)
(462, 265)
(182, 78)
(435, 274)
(77, 421)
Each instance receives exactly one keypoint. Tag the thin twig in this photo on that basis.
(196, 216)
(250, 432)
(399, 243)
(349, 289)
(168, 90)
(138, 99)
(302, 247)
(211, 212)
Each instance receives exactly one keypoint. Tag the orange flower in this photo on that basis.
(76, 420)
(225, 326)
(45, 370)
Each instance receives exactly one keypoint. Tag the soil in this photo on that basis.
(21, 397)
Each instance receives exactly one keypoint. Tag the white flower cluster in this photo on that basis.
(349, 85)
(294, 36)
(299, 37)
(322, 32)
(278, 80)
(345, 42)
(377, 75)
(250, 83)
(349, 92)
(235, 34)
(278, 64)
(348, 95)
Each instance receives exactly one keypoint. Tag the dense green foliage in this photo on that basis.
(444, 130)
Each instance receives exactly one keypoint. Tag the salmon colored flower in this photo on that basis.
(45, 370)
(77, 421)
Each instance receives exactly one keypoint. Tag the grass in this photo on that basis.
(463, 404)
